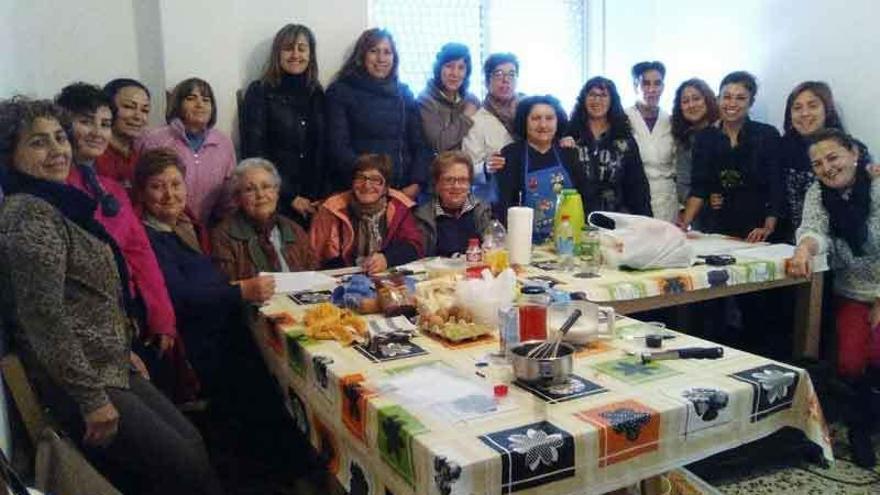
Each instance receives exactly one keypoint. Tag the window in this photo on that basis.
(548, 37)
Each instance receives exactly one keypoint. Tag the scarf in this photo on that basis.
(369, 225)
(76, 206)
(109, 205)
(264, 238)
(505, 111)
(848, 217)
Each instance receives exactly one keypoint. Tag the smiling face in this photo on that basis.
(693, 105)
(379, 59)
(132, 112)
(258, 195)
(452, 75)
(368, 186)
(597, 102)
(502, 81)
(834, 164)
(91, 133)
(43, 151)
(453, 186)
(650, 88)
(735, 102)
(295, 56)
(541, 125)
(807, 113)
(195, 110)
(164, 195)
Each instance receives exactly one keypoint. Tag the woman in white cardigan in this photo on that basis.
(652, 130)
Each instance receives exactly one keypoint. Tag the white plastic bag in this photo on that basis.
(485, 296)
(641, 242)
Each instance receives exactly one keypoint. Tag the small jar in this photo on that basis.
(533, 303)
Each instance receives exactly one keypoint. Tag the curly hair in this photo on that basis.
(579, 128)
(82, 98)
(681, 128)
(524, 108)
(823, 92)
(17, 115)
(354, 64)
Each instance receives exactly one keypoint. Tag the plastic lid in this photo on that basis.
(473, 241)
(532, 289)
(500, 390)
(566, 217)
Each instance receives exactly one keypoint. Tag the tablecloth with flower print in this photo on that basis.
(615, 422)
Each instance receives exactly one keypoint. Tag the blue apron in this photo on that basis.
(540, 189)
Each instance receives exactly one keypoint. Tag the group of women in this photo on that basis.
(123, 248)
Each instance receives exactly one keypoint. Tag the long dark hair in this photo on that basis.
(354, 64)
(823, 92)
(681, 128)
(287, 36)
(578, 126)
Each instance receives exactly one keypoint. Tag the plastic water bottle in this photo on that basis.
(565, 244)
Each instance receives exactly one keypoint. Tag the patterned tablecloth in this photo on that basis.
(615, 422)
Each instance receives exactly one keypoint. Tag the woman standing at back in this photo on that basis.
(283, 121)
(370, 111)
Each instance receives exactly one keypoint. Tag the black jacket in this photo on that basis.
(365, 115)
(285, 124)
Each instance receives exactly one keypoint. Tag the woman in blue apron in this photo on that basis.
(537, 169)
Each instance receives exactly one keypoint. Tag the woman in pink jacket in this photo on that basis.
(206, 154)
(89, 108)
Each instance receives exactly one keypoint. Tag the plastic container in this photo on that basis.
(589, 251)
(532, 309)
(495, 253)
(569, 202)
(564, 237)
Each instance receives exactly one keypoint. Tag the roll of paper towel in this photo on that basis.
(519, 234)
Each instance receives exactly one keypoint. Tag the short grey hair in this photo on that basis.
(249, 164)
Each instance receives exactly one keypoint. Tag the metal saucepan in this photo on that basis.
(549, 371)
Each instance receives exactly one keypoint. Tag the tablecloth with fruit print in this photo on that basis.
(615, 422)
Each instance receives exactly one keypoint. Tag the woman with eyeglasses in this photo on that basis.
(493, 127)
(371, 225)
(256, 238)
(370, 111)
(454, 215)
(90, 107)
(206, 153)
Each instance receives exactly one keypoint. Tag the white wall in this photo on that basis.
(783, 42)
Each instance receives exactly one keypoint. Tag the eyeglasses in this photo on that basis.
(254, 189)
(500, 74)
(455, 181)
(374, 180)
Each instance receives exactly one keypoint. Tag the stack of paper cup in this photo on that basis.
(519, 234)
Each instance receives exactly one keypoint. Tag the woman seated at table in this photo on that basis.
(371, 225)
(608, 152)
(207, 306)
(446, 106)
(63, 300)
(207, 153)
(89, 108)
(842, 217)
(255, 238)
(454, 215)
(735, 168)
(536, 167)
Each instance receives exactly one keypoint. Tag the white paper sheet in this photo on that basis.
(289, 282)
(708, 244)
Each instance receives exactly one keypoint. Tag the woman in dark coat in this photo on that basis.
(370, 111)
(283, 121)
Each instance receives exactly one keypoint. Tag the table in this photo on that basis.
(635, 291)
(616, 423)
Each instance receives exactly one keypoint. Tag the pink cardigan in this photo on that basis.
(207, 170)
(128, 232)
